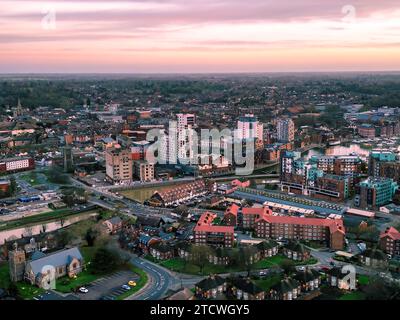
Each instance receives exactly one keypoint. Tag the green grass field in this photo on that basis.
(268, 282)
(356, 295)
(180, 265)
(67, 285)
(25, 290)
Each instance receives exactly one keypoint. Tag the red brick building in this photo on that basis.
(230, 215)
(389, 241)
(12, 165)
(296, 228)
(205, 233)
(250, 215)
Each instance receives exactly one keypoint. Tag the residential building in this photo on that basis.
(366, 131)
(377, 192)
(287, 289)
(285, 130)
(245, 289)
(296, 251)
(374, 258)
(331, 231)
(143, 170)
(389, 241)
(13, 165)
(376, 159)
(231, 215)
(185, 124)
(113, 225)
(211, 287)
(205, 233)
(309, 279)
(338, 277)
(118, 165)
(250, 215)
(248, 127)
(162, 251)
(179, 193)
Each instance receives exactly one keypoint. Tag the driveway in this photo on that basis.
(108, 287)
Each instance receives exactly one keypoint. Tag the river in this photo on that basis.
(32, 230)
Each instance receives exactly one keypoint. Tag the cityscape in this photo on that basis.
(227, 184)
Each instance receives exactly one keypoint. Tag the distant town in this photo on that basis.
(94, 207)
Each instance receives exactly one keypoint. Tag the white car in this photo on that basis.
(83, 290)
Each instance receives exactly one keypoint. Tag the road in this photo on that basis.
(325, 258)
(160, 280)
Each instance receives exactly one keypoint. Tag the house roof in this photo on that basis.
(205, 224)
(260, 211)
(233, 209)
(246, 285)
(210, 283)
(296, 246)
(391, 233)
(286, 285)
(334, 225)
(37, 255)
(184, 294)
(56, 259)
(374, 254)
(115, 220)
(266, 245)
(307, 275)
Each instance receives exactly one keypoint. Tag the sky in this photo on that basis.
(198, 36)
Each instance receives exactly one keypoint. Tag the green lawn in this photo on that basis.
(268, 282)
(25, 290)
(180, 265)
(4, 276)
(356, 295)
(34, 178)
(67, 285)
(139, 284)
(270, 262)
(363, 279)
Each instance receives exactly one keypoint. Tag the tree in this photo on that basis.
(64, 238)
(288, 267)
(105, 261)
(200, 256)
(13, 290)
(91, 236)
(245, 257)
(378, 289)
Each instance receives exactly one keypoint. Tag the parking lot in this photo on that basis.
(109, 287)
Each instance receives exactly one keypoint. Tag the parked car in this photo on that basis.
(83, 290)
(132, 283)
(126, 287)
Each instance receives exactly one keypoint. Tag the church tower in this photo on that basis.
(17, 260)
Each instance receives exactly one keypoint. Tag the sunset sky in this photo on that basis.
(169, 36)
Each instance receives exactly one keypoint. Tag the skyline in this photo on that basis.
(174, 36)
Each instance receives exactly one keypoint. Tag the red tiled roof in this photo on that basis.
(233, 209)
(205, 224)
(333, 224)
(259, 211)
(392, 233)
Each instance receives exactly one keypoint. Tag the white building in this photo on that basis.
(249, 127)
